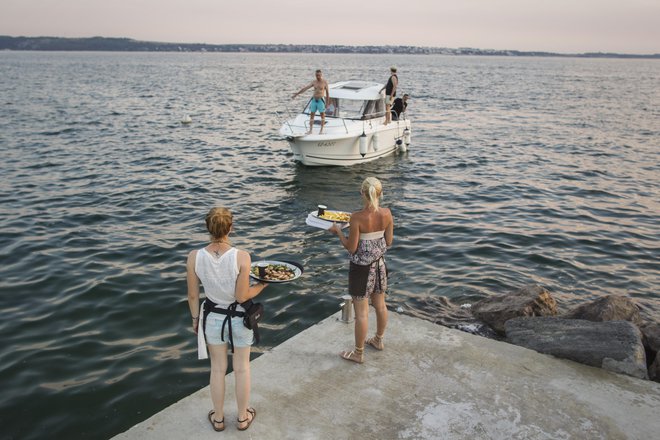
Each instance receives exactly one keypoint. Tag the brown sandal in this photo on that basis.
(376, 342)
(248, 420)
(214, 421)
(355, 355)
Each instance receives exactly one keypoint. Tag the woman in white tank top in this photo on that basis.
(224, 272)
(371, 233)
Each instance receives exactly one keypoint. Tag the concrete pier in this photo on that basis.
(430, 382)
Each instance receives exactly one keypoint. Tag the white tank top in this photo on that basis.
(218, 275)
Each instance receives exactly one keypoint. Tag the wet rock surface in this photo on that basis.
(530, 300)
(607, 308)
(613, 345)
(654, 370)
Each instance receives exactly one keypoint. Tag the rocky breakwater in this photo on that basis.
(607, 333)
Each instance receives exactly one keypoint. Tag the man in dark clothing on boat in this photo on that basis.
(400, 105)
(390, 93)
(318, 103)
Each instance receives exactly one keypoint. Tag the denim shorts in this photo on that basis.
(243, 337)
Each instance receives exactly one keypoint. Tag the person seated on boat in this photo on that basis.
(321, 89)
(400, 105)
(331, 108)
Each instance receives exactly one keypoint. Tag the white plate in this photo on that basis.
(314, 220)
(296, 267)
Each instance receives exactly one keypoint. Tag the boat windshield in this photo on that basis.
(352, 108)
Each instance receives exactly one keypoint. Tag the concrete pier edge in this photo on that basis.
(430, 382)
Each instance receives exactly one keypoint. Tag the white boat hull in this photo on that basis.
(343, 149)
(354, 130)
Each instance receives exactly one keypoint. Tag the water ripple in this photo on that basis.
(521, 170)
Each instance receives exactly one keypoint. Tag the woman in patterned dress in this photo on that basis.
(371, 233)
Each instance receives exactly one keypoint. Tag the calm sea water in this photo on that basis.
(521, 170)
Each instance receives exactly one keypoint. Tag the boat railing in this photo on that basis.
(296, 128)
(290, 117)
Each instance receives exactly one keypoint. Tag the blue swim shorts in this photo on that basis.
(243, 337)
(317, 104)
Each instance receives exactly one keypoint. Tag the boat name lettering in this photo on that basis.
(327, 144)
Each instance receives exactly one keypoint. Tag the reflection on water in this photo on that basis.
(520, 170)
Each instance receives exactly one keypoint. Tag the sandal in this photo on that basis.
(213, 422)
(355, 355)
(248, 420)
(376, 342)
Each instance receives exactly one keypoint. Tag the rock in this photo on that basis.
(612, 345)
(607, 308)
(651, 338)
(651, 341)
(531, 300)
(654, 369)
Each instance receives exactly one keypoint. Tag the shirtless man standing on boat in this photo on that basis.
(321, 90)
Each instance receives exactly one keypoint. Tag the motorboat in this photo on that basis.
(354, 132)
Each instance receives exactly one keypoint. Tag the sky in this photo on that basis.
(565, 26)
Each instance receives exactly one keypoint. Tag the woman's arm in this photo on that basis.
(389, 229)
(193, 289)
(244, 291)
(350, 243)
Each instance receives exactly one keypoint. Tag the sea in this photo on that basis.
(521, 170)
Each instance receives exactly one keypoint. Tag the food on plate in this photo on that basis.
(275, 272)
(336, 216)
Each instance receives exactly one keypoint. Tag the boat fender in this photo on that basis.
(406, 136)
(374, 141)
(363, 144)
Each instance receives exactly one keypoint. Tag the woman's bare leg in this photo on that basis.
(218, 356)
(378, 301)
(361, 308)
(241, 364)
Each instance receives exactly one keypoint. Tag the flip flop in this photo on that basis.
(249, 421)
(213, 422)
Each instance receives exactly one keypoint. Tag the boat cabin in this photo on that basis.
(358, 100)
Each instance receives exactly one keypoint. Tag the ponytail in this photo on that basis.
(372, 190)
(373, 198)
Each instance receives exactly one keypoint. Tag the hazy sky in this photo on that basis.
(628, 26)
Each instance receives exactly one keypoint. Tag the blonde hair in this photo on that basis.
(372, 189)
(218, 222)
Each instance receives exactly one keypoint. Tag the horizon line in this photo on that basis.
(355, 46)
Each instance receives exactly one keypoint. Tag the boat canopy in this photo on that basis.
(354, 100)
(358, 90)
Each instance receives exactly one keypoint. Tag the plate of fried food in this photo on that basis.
(334, 216)
(273, 271)
(328, 218)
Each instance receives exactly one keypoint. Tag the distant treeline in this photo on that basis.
(130, 45)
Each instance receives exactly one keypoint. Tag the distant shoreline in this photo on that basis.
(103, 44)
